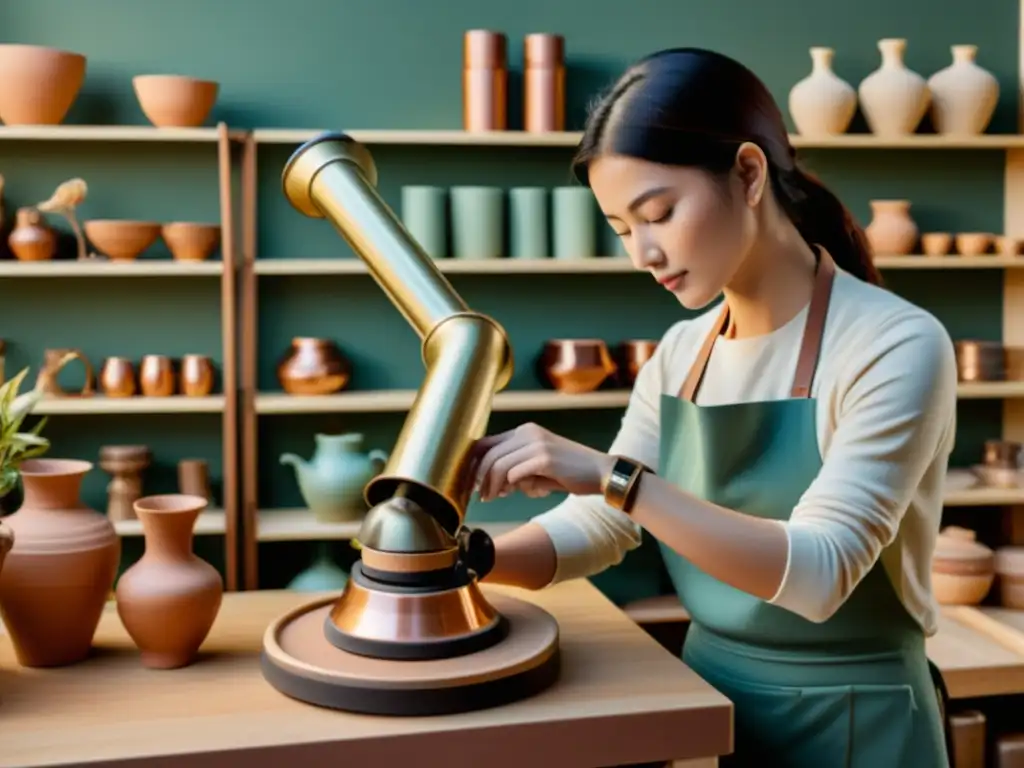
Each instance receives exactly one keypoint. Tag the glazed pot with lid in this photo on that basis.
(963, 568)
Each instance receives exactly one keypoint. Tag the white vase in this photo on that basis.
(964, 95)
(893, 98)
(822, 104)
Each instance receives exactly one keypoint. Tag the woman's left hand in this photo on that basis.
(536, 462)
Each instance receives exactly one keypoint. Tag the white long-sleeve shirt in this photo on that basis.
(886, 418)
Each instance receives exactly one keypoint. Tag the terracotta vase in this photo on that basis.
(964, 95)
(169, 598)
(893, 98)
(892, 231)
(313, 367)
(822, 104)
(31, 239)
(59, 573)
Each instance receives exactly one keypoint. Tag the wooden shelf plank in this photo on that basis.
(210, 523)
(990, 390)
(111, 133)
(599, 265)
(99, 404)
(300, 525)
(102, 268)
(962, 491)
(397, 400)
(572, 138)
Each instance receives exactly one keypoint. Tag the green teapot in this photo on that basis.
(332, 481)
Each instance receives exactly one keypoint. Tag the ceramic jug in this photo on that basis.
(332, 481)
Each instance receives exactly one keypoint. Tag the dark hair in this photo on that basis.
(694, 107)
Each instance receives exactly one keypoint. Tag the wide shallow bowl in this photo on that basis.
(190, 240)
(121, 239)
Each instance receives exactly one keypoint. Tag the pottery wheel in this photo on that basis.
(300, 662)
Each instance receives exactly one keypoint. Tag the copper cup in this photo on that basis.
(631, 356)
(575, 366)
(117, 377)
(156, 376)
(980, 360)
(313, 367)
(196, 375)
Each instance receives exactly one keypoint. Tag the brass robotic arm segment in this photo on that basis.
(467, 355)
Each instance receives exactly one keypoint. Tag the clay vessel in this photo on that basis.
(963, 569)
(190, 241)
(156, 376)
(6, 542)
(893, 98)
(54, 361)
(964, 96)
(936, 243)
(175, 101)
(194, 478)
(575, 366)
(322, 576)
(822, 104)
(57, 576)
(973, 243)
(39, 83)
(196, 375)
(313, 367)
(978, 360)
(332, 481)
(117, 377)
(1009, 566)
(631, 357)
(31, 239)
(121, 239)
(1002, 453)
(891, 232)
(125, 464)
(169, 599)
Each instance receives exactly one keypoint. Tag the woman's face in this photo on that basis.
(685, 227)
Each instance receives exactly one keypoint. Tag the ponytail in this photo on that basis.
(821, 218)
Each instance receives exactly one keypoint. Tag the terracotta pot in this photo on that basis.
(891, 232)
(575, 366)
(190, 241)
(963, 569)
(973, 243)
(31, 239)
(169, 598)
(631, 357)
(313, 367)
(936, 243)
(57, 576)
(39, 84)
(175, 101)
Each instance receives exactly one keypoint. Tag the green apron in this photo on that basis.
(856, 691)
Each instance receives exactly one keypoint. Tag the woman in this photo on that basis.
(787, 449)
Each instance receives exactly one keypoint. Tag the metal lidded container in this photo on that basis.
(484, 81)
(544, 83)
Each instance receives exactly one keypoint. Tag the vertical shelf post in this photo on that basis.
(249, 340)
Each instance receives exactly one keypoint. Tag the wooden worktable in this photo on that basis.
(621, 699)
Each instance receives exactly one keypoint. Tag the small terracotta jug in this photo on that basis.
(56, 578)
(892, 232)
(313, 367)
(31, 239)
(169, 599)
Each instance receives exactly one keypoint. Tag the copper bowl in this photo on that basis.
(630, 357)
(575, 366)
(313, 367)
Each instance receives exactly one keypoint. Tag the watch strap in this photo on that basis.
(622, 483)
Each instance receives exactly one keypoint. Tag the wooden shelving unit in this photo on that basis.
(214, 521)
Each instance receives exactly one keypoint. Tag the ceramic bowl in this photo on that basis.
(963, 569)
(936, 243)
(973, 243)
(121, 239)
(191, 241)
(175, 101)
(39, 83)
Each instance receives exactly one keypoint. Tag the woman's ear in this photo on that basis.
(752, 171)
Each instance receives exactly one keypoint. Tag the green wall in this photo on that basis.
(396, 64)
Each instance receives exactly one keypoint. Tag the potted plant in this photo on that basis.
(16, 445)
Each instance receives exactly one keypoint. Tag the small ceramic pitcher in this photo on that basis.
(332, 481)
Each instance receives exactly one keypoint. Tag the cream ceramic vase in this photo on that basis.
(892, 232)
(822, 104)
(893, 98)
(964, 95)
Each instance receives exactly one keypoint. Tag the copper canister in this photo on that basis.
(544, 83)
(484, 81)
(980, 360)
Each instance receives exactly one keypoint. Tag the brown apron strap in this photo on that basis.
(810, 346)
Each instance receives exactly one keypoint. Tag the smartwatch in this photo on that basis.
(623, 482)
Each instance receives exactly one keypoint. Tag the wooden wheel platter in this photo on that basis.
(300, 662)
